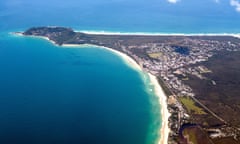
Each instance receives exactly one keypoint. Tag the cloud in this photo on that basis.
(173, 1)
(217, 1)
(236, 4)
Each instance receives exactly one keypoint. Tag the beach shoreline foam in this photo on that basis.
(159, 93)
(157, 33)
(162, 98)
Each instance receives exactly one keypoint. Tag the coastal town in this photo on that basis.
(163, 60)
(174, 60)
(172, 63)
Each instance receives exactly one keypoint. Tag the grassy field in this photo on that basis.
(191, 107)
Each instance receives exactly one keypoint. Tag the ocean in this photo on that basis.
(51, 94)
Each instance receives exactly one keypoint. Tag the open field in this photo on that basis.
(195, 135)
(191, 107)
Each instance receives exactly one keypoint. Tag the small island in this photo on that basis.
(199, 74)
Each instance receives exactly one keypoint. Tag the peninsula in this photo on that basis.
(199, 74)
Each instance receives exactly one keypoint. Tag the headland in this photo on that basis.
(179, 63)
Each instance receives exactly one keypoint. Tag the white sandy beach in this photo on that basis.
(164, 131)
(164, 111)
(158, 34)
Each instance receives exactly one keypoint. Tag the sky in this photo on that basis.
(234, 3)
(124, 15)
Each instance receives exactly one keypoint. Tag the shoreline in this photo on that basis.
(236, 35)
(158, 91)
(162, 98)
(164, 130)
(42, 37)
(156, 34)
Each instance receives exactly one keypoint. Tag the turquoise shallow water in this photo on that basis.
(51, 94)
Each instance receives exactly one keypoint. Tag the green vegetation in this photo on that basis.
(191, 106)
(155, 55)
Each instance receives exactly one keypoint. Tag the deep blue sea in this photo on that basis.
(58, 95)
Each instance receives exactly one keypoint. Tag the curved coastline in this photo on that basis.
(162, 98)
